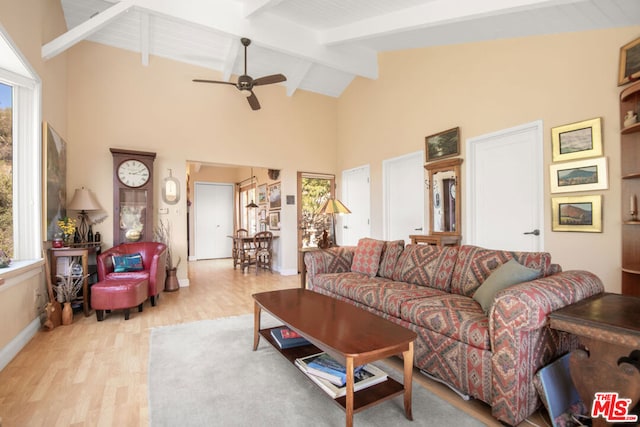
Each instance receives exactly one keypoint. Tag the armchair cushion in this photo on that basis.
(128, 262)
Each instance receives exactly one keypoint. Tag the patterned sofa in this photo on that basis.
(428, 289)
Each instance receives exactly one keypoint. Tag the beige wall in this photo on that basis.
(485, 87)
(31, 23)
(115, 101)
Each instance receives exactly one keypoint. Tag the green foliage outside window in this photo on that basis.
(6, 181)
(314, 192)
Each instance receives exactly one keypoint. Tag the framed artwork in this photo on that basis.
(262, 194)
(54, 177)
(580, 175)
(629, 69)
(275, 196)
(443, 144)
(577, 140)
(580, 213)
(274, 220)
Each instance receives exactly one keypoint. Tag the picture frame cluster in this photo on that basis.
(579, 165)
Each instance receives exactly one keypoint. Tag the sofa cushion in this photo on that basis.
(426, 265)
(366, 258)
(339, 283)
(388, 296)
(475, 264)
(127, 262)
(508, 274)
(390, 254)
(455, 316)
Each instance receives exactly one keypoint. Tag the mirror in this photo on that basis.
(444, 191)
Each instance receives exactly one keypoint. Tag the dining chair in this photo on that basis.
(238, 250)
(262, 243)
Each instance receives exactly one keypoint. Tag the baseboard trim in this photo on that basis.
(183, 283)
(289, 272)
(10, 351)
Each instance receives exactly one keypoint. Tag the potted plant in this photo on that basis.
(67, 288)
(162, 234)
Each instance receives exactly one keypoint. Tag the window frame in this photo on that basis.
(15, 71)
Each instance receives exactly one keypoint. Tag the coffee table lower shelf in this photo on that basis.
(362, 399)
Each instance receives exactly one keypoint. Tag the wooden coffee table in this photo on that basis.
(349, 334)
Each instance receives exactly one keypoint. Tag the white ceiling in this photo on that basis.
(319, 45)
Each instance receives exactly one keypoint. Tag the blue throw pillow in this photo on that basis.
(127, 262)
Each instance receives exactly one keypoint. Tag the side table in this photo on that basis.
(83, 253)
(435, 239)
(608, 326)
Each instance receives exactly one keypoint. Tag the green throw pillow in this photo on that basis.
(508, 274)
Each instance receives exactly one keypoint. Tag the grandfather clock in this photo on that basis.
(132, 196)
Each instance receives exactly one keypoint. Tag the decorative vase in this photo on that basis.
(67, 313)
(171, 282)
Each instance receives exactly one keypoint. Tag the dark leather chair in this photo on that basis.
(154, 262)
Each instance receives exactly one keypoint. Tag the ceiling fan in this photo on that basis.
(246, 83)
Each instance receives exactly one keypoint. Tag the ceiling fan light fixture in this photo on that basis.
(245, 92)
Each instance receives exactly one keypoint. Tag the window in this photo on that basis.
(25, 212)
(248, 215)
(6, 169)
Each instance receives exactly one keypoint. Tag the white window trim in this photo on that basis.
(27, 155)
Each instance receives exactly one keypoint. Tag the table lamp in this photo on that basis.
(83, 201)
(333, 207)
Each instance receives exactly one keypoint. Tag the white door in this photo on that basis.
(504, 188)
(356, 197)
(213, 220)
(403, 196)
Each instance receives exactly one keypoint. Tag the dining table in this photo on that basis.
(245, 243)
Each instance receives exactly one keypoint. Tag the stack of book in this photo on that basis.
(286, 338)
(331, 376)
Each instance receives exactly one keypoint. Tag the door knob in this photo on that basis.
(535, 232)
(417, 229)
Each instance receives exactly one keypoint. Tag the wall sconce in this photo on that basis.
(171, 190)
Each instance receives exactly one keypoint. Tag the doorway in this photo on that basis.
(505, 198)
(403, 195)
(356, 195)
(213, 220)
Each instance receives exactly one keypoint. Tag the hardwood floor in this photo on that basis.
(95, 373)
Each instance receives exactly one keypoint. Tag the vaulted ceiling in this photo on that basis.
(319, 45)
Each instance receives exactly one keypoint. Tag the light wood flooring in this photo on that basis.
(95, 373)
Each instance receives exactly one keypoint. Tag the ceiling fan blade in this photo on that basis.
(213, 81)
(253, 101)
(267, 80)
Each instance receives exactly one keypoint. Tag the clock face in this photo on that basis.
(133, 173)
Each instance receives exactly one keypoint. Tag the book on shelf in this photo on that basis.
(367, 376)
(325, 366)
(286, 338)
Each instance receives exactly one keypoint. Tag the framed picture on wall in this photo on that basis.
(578, 213)
(581, 175)
(275, 196)
(442, 144)
(629, 69)
(262, 194)
(274, 220)
(577, 140)
(54, 169)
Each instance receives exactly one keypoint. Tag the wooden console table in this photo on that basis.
(435, 239)
(608, 326)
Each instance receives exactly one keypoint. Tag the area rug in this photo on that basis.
(205, 374)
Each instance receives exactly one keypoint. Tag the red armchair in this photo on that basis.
(154, 261)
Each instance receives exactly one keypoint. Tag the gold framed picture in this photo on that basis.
(442, 145)
(629, 69)
(578, 213)
(577, 140)
(580, 175)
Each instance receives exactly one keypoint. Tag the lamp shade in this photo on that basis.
(332, 206)
(83, 200)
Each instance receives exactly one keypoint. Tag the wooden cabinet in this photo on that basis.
(436, 239)
(630, 172)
